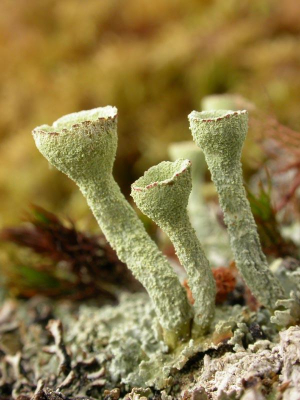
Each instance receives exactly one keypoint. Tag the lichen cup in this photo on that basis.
(83, 146)
(221, 134)
(162, 194)
(227, 101)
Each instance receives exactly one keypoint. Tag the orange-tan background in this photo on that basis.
(154, 60)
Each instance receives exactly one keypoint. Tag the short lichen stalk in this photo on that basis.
(221, 134)
(210, 233)
(83, 146)
(196, 207)
(162, 194)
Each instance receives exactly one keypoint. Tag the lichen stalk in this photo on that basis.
(83, 146)
(196, 206)
(162, 194)
(212, 236)
(221, 134)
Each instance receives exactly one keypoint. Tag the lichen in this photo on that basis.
(226, 101)
(162, 194)
(221, 135)
(115, 350)
(83, 146)
(203, 219)
(241, 350)
(123, 339)
(290, 353)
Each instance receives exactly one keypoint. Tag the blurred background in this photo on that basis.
(154, 60)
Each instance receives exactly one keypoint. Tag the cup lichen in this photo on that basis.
(210, 233)
(226, 101)
(196, 206)
(162, 193)
(221, 134)
(83, 146)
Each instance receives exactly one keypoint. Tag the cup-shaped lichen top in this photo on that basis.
(189, 150)
(163, 191)
(87, 140)
(226, 102)
(220, 134)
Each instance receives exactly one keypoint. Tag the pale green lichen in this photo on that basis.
(226, 101)
(203, 219)
(162, 194)
(117, 346)
(290, 353)
(83, 146)
(122, 339)
(196, 206)
(288, 312)
(221, 134)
